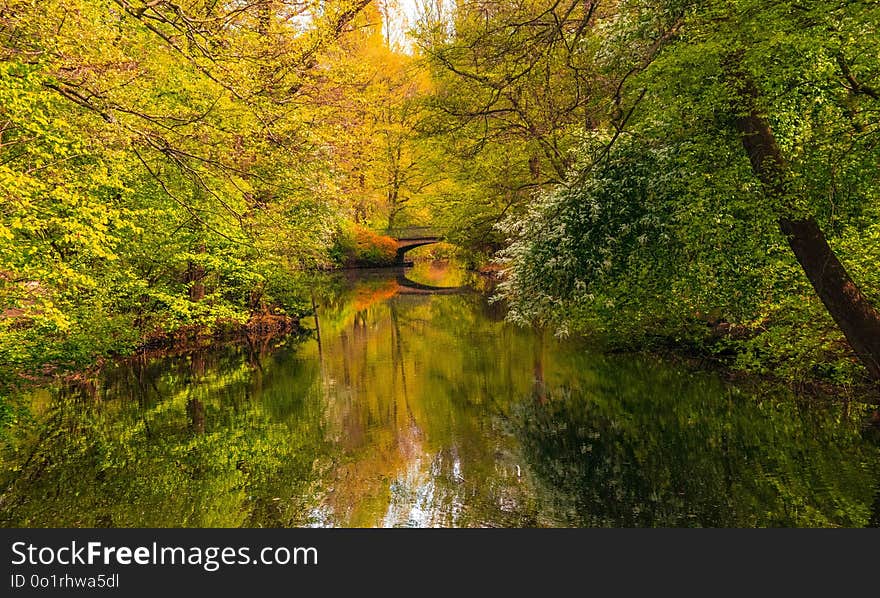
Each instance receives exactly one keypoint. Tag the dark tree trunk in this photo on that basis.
(853, 313)
(535, 167)
(195, 275)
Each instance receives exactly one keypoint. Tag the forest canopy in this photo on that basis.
(694, 172)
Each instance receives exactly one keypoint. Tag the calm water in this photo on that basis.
(413, 408)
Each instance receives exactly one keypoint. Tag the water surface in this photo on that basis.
(408, 407)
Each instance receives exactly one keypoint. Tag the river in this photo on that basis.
(410, 407)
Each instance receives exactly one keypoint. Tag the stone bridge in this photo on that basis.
(410, 237)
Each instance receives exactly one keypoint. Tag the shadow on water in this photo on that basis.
(411, 287)
(426, 409)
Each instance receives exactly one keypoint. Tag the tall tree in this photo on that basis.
(515, 90)
(372, 97)
(857, 318)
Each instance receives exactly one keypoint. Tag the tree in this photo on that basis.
(681, 220)
(515, 89)
(371, 99)
(857, 318)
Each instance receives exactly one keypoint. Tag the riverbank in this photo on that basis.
(716, 345)
(260, 330)
(69, 357)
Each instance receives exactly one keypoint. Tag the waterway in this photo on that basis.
(410, 406)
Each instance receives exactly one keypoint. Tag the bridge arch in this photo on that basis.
(409, 238)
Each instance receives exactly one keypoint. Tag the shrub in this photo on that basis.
(362, 247)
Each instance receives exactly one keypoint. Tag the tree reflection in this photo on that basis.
(180, 442)
(646, 446)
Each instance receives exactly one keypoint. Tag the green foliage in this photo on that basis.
(147, 185)
(512, 94)
(665, 231)
(622, 251)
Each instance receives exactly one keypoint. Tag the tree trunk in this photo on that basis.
(853, 313)
(195, 274)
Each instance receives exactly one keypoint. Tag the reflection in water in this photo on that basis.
(425, 409)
